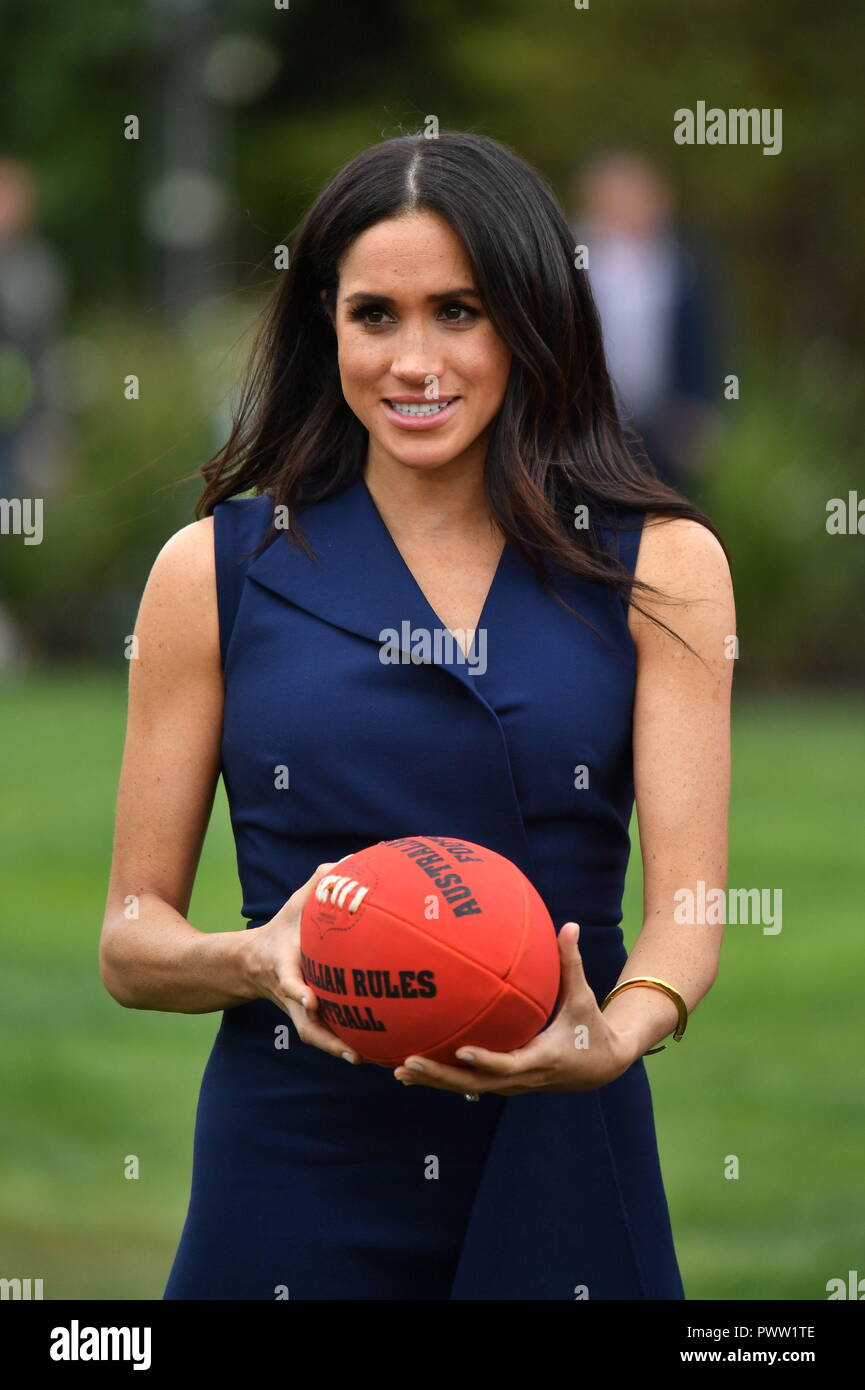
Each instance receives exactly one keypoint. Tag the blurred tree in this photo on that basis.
(552, 80)
(296, 92)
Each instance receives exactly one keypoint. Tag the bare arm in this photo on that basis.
(681, 770)
(150, 956)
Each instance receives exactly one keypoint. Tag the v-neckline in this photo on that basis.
(465, 654)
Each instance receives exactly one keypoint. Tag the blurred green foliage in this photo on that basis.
(786, 448)
(131, 481)
(555, 82)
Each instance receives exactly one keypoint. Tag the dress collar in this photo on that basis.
(360, 582)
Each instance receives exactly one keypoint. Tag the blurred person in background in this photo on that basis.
(32, 300)
(657, 310)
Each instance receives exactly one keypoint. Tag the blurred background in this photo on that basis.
(152, 157)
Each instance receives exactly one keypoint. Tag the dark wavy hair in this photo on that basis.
(556, 443)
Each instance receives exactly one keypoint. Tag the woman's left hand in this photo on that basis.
(579, 1051)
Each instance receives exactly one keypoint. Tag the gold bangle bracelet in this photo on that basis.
(657, 984)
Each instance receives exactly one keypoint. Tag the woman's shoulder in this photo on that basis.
(187, 551)
(194, 556)
(687, 568)
(177, 616)
(680, 553)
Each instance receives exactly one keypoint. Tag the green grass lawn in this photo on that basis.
(770, 1070)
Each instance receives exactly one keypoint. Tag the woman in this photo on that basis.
(429, 435)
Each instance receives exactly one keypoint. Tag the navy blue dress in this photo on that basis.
(314, 1179)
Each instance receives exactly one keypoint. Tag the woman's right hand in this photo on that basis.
(274, 968)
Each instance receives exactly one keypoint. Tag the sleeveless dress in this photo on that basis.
(314, 1179)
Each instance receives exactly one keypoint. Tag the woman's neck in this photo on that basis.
(447, 500)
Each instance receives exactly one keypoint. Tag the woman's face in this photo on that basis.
(420, 363)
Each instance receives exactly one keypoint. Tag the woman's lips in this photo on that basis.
(421, 422)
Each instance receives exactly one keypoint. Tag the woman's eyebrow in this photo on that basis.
(363, 296)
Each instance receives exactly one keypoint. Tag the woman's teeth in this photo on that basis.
(432, 409)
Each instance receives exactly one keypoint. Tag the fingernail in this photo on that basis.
(414, 1066)
(304, 999)
(466, 1056)
(348, 1057)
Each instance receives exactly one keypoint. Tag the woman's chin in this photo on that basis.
(420, 454)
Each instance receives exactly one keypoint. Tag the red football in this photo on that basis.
(427, 944)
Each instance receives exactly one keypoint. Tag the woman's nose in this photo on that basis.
(416, 356)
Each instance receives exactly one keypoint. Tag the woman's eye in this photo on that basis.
(462, 309)
(362, 313)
